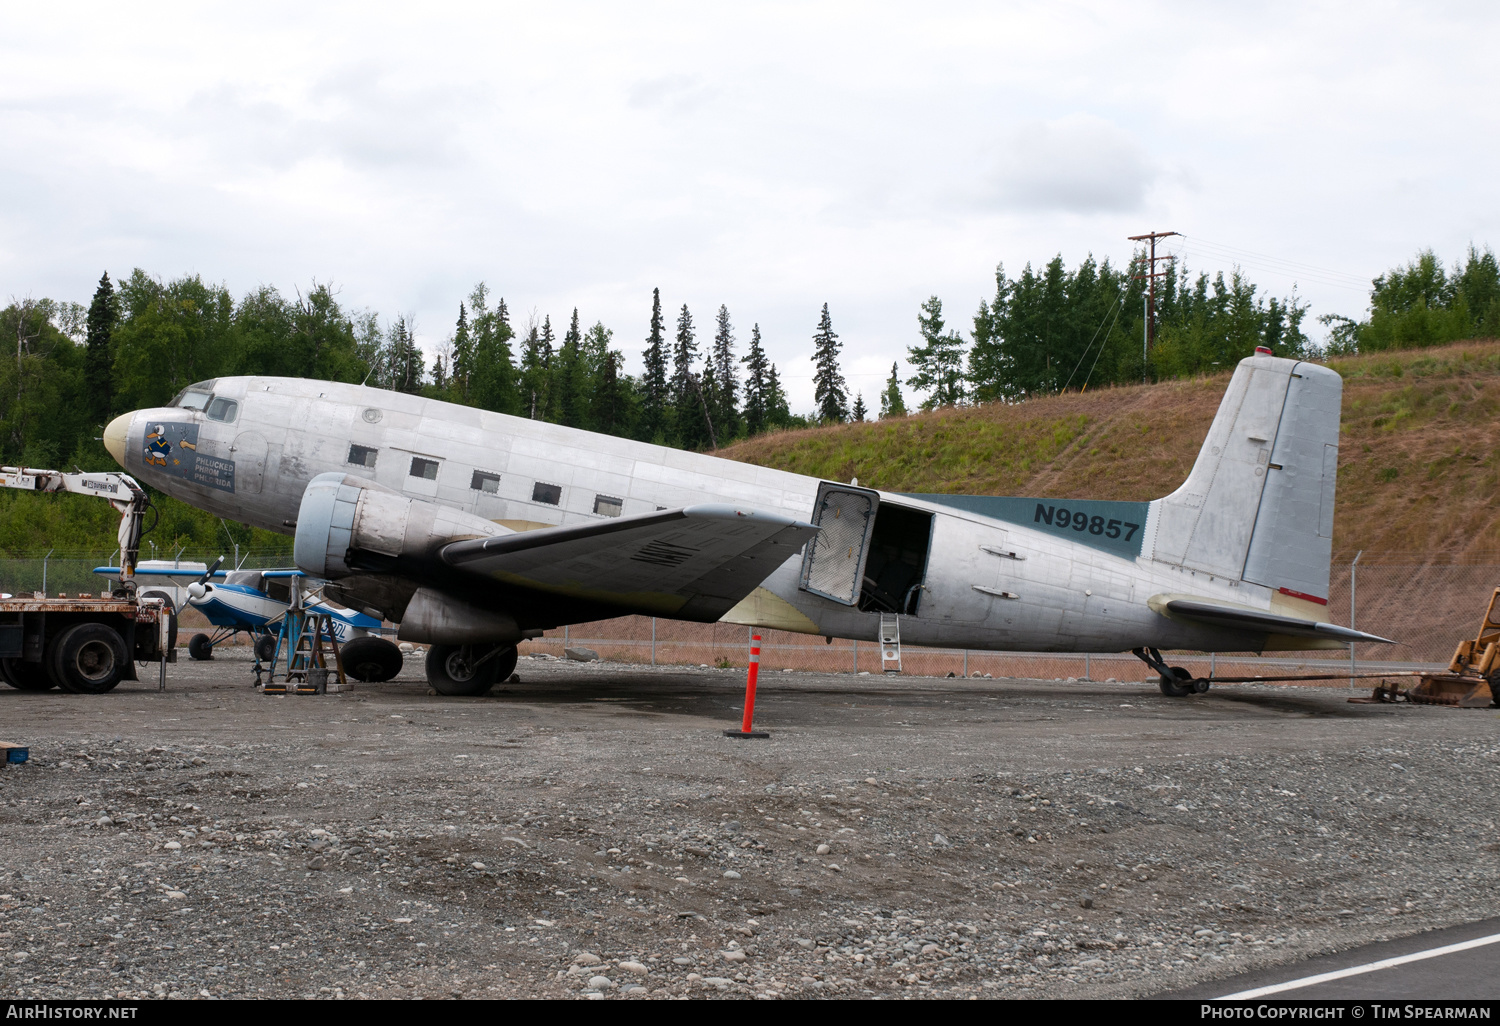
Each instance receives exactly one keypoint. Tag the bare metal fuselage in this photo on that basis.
(987, 584)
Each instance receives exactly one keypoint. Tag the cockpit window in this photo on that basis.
(222, 409)
(188, 399)
(249, 578)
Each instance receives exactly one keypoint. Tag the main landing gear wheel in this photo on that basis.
(373, 660)
(200, 647)
(265, 647)
(467, 670)
(26, 676)
(88, 658)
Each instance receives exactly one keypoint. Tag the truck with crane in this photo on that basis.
(86, 643)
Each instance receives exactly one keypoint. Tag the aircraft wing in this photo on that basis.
(693, 563)
(155, 571)
(1257, 621)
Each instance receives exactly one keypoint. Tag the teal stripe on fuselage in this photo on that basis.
(1113, 527)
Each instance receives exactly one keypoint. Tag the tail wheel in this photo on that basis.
(456, 670)
(200, 647)
(26, 676)
(88, 658)
(265, 647)
(1179, 685)
(371, 659)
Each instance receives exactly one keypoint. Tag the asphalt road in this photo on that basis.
(1471, 973)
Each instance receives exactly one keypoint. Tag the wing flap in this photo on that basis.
(692, 563)
(1257, 621)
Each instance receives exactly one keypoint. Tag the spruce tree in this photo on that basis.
(492, 378)
(708, 392)
(463, 354)
(829, 389)
(654, 380)
(939, 360)
(609, 397)
(778, 412)
(404, 359)
(548, 350)
(533, 369)
(891, 402)
(726, 391)
(858, 413)
(755, 384)
(690, 431)
(570, 378)
(98, 370)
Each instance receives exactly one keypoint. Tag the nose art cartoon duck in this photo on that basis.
(157, 446)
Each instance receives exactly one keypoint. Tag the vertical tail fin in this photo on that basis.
(1258, 505)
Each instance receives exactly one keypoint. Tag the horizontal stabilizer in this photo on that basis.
(1257, 621)
(693, 563)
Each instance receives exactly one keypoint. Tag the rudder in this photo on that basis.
(1258, 505)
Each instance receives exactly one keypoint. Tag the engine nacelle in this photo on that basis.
(343, 514)
(433, 618)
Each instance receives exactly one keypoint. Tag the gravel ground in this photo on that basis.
(590, 832)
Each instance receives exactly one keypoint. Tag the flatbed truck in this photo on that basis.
(84, 643)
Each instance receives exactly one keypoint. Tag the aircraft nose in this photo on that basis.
(115, 436)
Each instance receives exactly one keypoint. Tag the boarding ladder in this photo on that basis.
(890, 643)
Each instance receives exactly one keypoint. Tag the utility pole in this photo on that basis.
(1151, 275)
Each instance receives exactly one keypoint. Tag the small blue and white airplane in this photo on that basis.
(255, 602)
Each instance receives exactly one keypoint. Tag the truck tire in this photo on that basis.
(369, 659)
(88, 658)
(171, 612)
(450, 673)
(200, 647)
(25, 676)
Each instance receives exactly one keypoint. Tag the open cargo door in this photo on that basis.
(834, 565)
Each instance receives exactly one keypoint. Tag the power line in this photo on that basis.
(1296, 270)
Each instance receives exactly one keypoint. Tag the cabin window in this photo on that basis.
(221, 409)
(607, 506)
(362, 455)
(425, 469)
(548, 493)
(485, 482)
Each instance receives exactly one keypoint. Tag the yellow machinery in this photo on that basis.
(1473, 677)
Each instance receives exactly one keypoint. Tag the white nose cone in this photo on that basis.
(115, 436)
(196, 591)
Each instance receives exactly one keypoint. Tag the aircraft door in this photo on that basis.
(834, 565)
(249, 453)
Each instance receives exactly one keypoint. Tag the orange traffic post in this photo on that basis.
(754, 672)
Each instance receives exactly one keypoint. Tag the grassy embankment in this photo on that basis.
(1419, 474)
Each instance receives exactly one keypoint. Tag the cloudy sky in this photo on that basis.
(771, 157)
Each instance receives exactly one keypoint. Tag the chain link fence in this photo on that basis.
(1426, 609)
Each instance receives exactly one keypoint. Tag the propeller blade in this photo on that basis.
(210, 572)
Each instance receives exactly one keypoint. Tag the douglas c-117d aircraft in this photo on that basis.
(475, 530)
